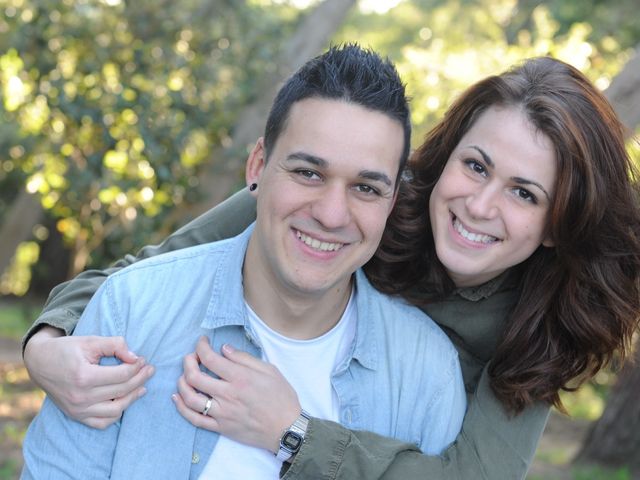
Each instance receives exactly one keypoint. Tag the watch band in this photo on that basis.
(292, 438)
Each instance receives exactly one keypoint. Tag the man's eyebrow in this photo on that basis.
(376, 177)
(518, 180)
(306, 157)
(321, 162)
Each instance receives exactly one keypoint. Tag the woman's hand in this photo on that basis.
(251, 402)
(68, 370)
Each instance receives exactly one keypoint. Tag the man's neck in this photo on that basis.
(298, 315)
(296, 318)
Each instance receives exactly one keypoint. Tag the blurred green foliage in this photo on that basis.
(110, 109)
(443, 46)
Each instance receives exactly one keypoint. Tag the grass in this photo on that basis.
(19, 398)
(16, 317)
(598, 473)
(9, 469)
(587, 473)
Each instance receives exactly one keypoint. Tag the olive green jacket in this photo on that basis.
(492, 444)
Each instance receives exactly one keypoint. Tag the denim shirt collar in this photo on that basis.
(367, 332)
(227, 304)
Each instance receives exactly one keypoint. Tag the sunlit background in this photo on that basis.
(115, 113)
(120, 121)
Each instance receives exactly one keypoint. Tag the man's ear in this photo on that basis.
(255, 164)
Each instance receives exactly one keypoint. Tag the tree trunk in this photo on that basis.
(313, 33)
(521, 19)
(614, 440)
(624, 93)
(25, 212)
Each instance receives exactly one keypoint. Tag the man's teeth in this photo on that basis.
(317, 244)
(474, 237)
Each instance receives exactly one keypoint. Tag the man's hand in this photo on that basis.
(251, 402)
(68, 370)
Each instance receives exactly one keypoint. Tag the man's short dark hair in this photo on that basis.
(349, 73)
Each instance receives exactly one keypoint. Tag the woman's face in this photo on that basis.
(490, 206)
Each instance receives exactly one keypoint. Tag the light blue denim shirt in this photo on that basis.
(402, 378)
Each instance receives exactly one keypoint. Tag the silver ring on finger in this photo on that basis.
(207, 406)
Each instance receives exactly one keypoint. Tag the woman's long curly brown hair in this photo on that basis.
(579, 301)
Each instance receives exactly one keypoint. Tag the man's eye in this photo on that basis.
(368, 189)
(308, 174)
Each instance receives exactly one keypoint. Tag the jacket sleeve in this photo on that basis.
(68, 300)
(491, 445)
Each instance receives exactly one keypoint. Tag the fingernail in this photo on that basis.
(226, 348)
(134, 355)
(174, 398)
(141, 392)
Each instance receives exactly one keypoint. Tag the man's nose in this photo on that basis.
(332, 208)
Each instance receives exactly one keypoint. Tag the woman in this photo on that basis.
(518, 233)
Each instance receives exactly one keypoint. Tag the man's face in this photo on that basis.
(323, 196)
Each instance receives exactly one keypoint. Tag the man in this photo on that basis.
(288, 289)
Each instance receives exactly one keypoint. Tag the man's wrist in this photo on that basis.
(292, 438)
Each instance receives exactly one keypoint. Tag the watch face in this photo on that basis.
(291, 440)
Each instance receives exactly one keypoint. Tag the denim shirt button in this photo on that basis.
(195, 458)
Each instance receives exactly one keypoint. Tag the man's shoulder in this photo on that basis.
(184, 258)
(404, 336)
(393, 304)
(170, 274)
(399, 318)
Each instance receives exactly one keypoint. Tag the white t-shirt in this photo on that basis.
(307, 365)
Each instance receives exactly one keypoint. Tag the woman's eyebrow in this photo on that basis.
(485, 155)
(524, 181)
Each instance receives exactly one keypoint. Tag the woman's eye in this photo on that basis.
(526, 195)
(476, 166)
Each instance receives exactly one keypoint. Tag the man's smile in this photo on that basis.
(318, 244)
